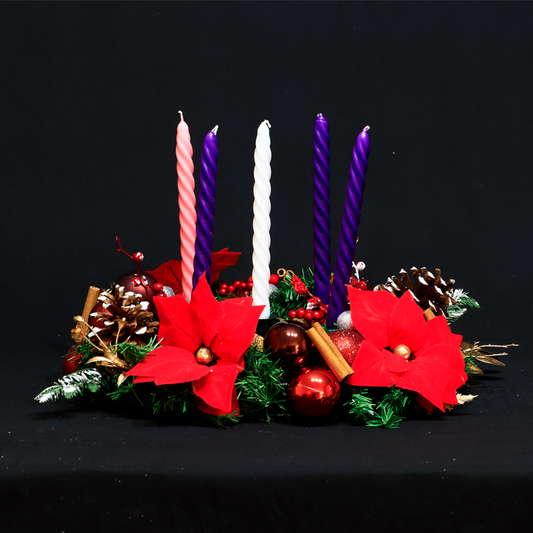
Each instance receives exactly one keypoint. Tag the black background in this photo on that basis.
(89, 94)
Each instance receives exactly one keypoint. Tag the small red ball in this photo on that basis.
(237, 284)
(222, 291)
(318, 315)
(308, 315)
(138, 257)
(301, 312)
(293, 313)
(224, 286)
(231, 288)
(158, 287)
(314, 391)
(274, 279)
(250, 285)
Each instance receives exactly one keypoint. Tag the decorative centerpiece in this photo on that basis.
(318, 346)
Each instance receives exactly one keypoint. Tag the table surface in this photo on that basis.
(72, 465)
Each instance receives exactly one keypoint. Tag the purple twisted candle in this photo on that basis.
(321, 210)
(349, 229)
(203, 245)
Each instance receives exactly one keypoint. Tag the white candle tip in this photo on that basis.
(366, 128)
(181, 114)
(215, 129)
(267, 123)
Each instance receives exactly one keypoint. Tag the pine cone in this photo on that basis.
(429, 291)
(126, 318)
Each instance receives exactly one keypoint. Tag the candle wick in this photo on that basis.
(215, 129)
(366, 128)
(181, 114)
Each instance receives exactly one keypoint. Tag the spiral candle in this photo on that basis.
(321, 210)
(349, 228)
(261, 222)
(206, 208)
(186, 202)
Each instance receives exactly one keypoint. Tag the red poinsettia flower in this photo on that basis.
(225, 328)
(435, 368)
(169, 273)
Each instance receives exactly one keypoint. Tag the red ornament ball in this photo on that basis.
(348, 343)
(314, 391)
(289, 343)
(71, 361)
(145, 288)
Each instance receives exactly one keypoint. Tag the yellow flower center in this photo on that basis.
(204, 356)
(403, 351)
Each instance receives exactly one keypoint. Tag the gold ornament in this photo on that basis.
(204, 356)
(403, 351)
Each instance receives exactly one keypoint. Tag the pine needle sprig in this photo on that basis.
(72, 385)
(462, 303)
(386, 412)
(261, 384)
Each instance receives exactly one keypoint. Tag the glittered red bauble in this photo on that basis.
(289, 343)
(314, 391)
(98, 322)
(144, 288)
(71, 361)
(348, 343)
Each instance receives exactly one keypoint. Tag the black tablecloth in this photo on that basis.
(69, 466)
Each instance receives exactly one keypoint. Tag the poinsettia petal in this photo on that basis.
(371, 368)
(222, 260)
(169, 274)
(237, 329)
(217, 412)
(216, 388)
(438, 332)
(430, 379)
(450, 358)
(168, 365)
(208, 312)
(371, 311)
(407, 324)
(177, 323)
(396, 363)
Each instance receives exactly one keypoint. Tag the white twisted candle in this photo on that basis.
(261, 223)
(187, 203)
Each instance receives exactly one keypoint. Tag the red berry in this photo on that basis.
(237, 284)
(246, 293)
(308, 315)
(136, 281)
(158, 287)
(293, 313)
(250, 279)
(274, 279)
(224, 286)
(231, 288)
(250, 285)
(222, 291)
(138, 257)
(301, 312)
(318, 315)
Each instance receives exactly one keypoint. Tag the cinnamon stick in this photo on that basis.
(90, 302)
(329, 352)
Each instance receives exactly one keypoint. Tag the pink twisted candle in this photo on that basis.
(186, 202)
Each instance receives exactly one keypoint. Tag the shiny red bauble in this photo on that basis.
(289, 343)
(314, 391)
(71, 361)
(348, 342)
(130, 283)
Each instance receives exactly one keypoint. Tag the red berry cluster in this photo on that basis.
(315, 311)
(238, 288)
(298, 285)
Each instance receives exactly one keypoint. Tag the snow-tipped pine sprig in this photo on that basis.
(462, 303)
(75, 384)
